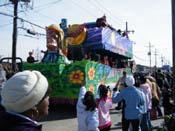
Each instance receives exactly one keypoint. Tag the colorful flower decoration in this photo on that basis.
(91, 73)
(91, 88)
(76, 77)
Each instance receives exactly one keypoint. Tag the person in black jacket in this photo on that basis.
(30, 58)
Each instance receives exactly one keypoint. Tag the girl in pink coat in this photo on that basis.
(104, 104)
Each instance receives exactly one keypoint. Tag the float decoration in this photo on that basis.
(76, 34)
(54, 37)
(65, 77)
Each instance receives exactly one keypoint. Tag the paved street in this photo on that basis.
(63, 118)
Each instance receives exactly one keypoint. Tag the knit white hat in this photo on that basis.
(24, 90)
(130, 81)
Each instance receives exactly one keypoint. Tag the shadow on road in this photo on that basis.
(115, 128)
(114, 111)
(60, 112)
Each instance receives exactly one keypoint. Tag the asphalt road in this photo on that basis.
(63, 118)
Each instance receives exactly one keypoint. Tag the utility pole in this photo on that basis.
(15, 31)
(155, 60)
(173, 42)
(128, 31)
(162, 60)
(14, 36)
(149, 54)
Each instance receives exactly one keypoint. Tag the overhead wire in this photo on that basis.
(138, 58)
(28, 19)
(97, 7)
(23, 20)
(34, 33)
(118, 19)
(28, 36)
(7, 24)
(84, 9)
(5, 4)
(101, 8)
(44, 6)
(142, 60)
(9, 5)
(48, 17)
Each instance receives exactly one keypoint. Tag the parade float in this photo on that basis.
(77, 53)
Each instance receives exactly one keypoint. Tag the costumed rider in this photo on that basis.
(102, 22)
(54, 36)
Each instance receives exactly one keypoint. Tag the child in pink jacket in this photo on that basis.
(104, 104)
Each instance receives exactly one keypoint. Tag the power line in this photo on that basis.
(28, 36)
(22, 20)
(138, 58)
(5, 4)
(44, 6)
(9, 5)
(36, 11)
(4, 25)
(97, 6)
(48, 17)
(103, 11)
(31, 23)
(84, 9)
(110, 14)
(28, 19)
(32, 32)
(122, 21)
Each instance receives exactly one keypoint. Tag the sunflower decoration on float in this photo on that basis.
(76, 77)
(91, 73)
(91, 88)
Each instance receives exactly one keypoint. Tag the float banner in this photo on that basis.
(108, 40)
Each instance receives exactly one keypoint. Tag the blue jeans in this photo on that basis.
(145, 122)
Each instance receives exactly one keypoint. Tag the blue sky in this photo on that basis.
(150, 19)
